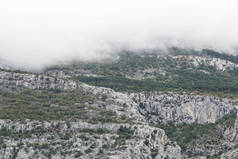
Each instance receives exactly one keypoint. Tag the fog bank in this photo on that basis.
(35, 34)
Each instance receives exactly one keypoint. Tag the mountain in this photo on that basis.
(181, 104)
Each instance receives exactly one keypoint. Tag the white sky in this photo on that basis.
(36, 33)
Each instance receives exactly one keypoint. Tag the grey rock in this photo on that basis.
(175, 108)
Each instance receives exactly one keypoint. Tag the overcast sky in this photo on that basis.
(36, 33)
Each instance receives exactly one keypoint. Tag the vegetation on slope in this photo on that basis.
(53, 105)
(179, 75)
(199, 134)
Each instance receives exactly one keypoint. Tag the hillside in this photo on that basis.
(139, 105)
(181, 70)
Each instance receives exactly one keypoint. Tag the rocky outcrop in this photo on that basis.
(233, 154)
(196, 61)
(175, 108)
(64, 73)
(35, 81)
(59, 140)
(231, 134)
(170, 107)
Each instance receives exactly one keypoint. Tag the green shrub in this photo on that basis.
(125, 133)
(89, 150)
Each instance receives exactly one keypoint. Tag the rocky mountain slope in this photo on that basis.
(146, 109)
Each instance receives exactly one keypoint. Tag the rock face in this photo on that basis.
(35, 81)
(57, 140)
(231, 136)
(196, 61)
(233, 154)
(232, 133)
(174, 108)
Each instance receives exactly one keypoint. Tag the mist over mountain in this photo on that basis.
(35, 34)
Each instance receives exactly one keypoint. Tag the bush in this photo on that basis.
(125, 133)
(89, 150)
(184, 134)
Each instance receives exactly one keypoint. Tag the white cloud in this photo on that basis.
(38, 33)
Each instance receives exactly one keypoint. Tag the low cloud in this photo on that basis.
(35, 34)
